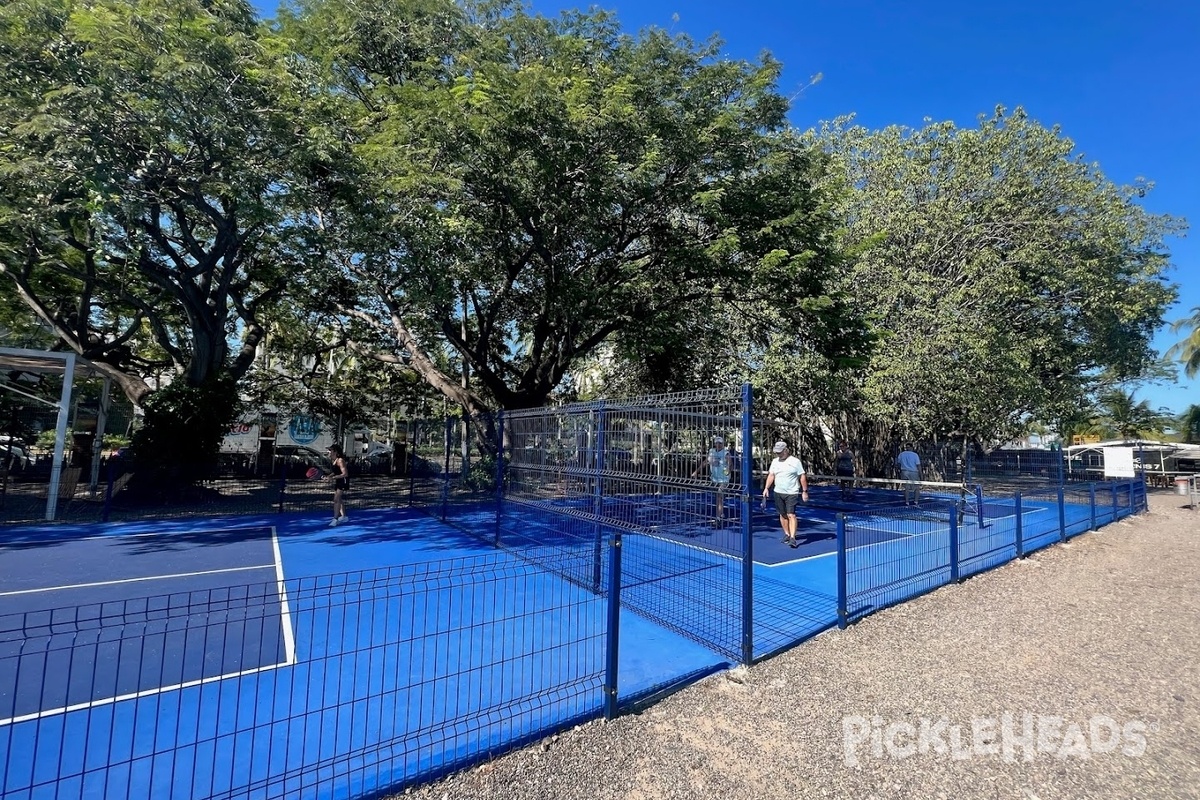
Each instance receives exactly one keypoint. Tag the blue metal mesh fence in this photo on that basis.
(890, 555)
(340, 685)
(652, 467)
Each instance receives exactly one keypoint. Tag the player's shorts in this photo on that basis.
(341, 483)
(785, 504)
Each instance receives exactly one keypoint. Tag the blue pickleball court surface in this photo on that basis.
(287, 659)
(69, 639)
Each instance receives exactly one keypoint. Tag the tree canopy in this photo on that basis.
(496, 205)
(145, 181)
(529, 189)
(1006, 277)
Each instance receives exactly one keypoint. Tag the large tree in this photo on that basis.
(530, 189)
(1006, 277)
(146, 211)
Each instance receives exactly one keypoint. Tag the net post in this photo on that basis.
(953, 546)
(1092, 503)
(499, 472)
(1062, 514)
(613, 637)
(1019, 525)
(842, 601)
(747, 525)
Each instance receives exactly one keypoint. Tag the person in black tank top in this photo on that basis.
(844, 466)
(341, 483)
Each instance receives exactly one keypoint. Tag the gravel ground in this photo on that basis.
(1092, 648)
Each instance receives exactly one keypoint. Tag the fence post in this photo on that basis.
(499, 472)
(447, 445)
(108, 480)
(1062, 515)
(980, 506)
(1020, 523)
(953, 546)
(1092, 502)
(598, 498)
(747, 525)
(612, 644)
(843, 611)
(1115, 503)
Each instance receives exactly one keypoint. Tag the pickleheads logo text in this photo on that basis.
(1010, 737)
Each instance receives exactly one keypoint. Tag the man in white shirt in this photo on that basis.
(787, 475)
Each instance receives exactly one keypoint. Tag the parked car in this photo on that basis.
(13, 457)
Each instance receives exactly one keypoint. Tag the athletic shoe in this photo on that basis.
(343, 518)
(332, 523)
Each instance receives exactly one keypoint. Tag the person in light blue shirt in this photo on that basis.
(909, 464)
(720, 467)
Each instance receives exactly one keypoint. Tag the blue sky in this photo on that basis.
(1121, 78)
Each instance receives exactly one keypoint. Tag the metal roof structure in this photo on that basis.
(50, 362)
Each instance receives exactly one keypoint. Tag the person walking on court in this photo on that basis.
(720, 467)
(844, 467)
(909, 464)
(787, 475)
(341, 483)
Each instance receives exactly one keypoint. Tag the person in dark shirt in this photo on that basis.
(341, 483)
(844, 467)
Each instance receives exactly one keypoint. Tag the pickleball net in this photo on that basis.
(857, 494)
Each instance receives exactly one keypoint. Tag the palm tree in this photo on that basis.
(1132, 420)
(1189, 424)
(1187, 350)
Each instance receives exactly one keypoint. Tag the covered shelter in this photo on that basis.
(15, 363)
(1161, 462)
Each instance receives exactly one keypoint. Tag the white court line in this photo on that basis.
(833, 552)
(285, 614)
(797, 560)
(137, 580)
(289, 645)
(105, 701)
(1025, 513)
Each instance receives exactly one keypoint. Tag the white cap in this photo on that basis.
(779, 447)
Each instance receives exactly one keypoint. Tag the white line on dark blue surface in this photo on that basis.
(139, 580)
